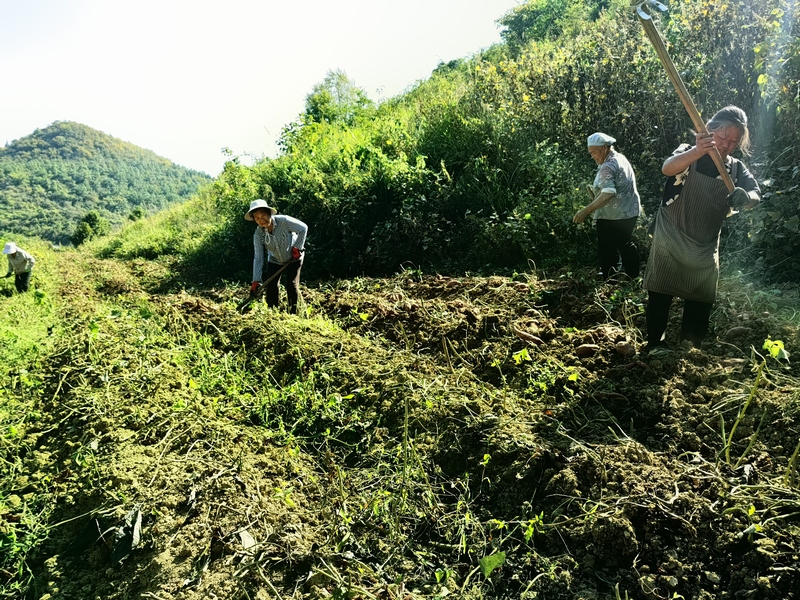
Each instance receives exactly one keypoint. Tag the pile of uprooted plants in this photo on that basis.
(412, 437)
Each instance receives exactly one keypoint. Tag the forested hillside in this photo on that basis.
(483, 165)
(50, 179)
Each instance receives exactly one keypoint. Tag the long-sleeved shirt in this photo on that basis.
(287, 233)
(20, 262)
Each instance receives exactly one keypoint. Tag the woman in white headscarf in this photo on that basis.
(616, 207)
(20, 264)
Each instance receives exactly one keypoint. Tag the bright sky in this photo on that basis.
(185, 78)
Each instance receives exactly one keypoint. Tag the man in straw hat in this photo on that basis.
(20, 264)
(284, 239)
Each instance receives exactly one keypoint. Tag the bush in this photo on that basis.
(91, 226)
(482, 166)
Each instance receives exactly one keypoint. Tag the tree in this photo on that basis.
(546, 19)
(336, 99)
(534, 20)
(136, 214)
(81, 234)
(90, 226)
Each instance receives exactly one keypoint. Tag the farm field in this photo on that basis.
(419, 436)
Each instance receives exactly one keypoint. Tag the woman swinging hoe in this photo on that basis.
(684, 257)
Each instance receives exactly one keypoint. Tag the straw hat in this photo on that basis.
(256, 204)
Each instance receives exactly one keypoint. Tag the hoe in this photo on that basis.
(244, 305)
(658, 43)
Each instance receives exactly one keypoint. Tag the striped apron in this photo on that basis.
(684, 256)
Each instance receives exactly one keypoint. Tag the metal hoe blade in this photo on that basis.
(654, 3)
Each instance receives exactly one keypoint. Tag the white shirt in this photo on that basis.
(616, 176)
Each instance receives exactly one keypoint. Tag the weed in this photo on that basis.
(777, 351)
(534, 526)
(361, 465)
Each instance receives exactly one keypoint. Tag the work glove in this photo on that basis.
(738, 198)
(253, 287)
(295, 253)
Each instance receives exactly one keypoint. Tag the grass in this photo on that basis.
(180, 230)
(28, 326)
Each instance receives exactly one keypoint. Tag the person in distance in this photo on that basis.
(20, 264)
(616, 207)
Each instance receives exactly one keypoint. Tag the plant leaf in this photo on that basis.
(491, 562)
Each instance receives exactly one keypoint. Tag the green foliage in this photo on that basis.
(336, 99)
(83, 232)
(543, 20)
(91, 226)
(183, 230)
(27, 322)
(491, 562)
(51, 178)
(776, 349)
(136, 214)
(336, 179)
(533, 20)
(482, 166)
(773, 229)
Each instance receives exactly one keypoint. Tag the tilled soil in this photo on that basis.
(412, 437)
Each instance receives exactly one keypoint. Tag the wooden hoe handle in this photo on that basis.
(658, 43)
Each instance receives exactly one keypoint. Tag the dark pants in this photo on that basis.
(292, 284)
(694, 324)
(22, 281)
(614, 242)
